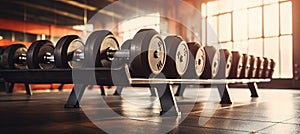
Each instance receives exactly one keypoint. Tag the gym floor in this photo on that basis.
(275, 111)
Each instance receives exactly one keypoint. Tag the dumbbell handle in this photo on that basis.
(21, 59)
(124, 53)
(48, 57)
(78, 55)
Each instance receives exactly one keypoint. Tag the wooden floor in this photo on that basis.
(275, 111)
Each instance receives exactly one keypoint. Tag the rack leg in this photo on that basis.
(224, 95)
(28, 89)
(118, 91)
(153, 91)
(180, 90)
(61, 86)
(103, 93)
(253, 89)
(167, 100)
(11, 88)
(75, 96)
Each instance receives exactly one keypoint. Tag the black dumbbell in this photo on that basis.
(68, 52)
(272, 67)
(197, 59)
(212, 63)
(145, 53)
(177, 57)
(259, 67)
(246, 66)
(236, 65)
(2, 48)
(37, 56)
(266, 68)
(225, 64)
(10, 56)
(251, 73)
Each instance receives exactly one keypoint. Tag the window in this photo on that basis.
(256, 27)
(129, 28)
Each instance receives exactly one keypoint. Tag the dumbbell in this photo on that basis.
(266, 68)
(145, 53)
(68, 52)
(177, 57)
(259, 67)
(212, 63)
(197, 59)
(38, 56)
(252, 69)
(1, 52)
(236, 65)
(10, 54)
(272, 67)
(225, 64)
(246, 66)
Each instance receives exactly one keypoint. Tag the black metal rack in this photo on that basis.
(82, 77)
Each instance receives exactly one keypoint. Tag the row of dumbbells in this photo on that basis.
(147, 55)
(208, 62)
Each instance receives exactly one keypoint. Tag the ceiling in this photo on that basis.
(77, 12)
(57, 12)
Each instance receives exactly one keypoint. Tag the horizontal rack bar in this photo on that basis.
(140, 81)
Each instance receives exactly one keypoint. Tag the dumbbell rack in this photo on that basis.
(103, 77)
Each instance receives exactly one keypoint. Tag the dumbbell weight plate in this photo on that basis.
(126, 44)
(37, 51)
(64, 50)
(10, 56)
(236, 65)
(272, 67)
(1, 52)
(246, 66)
(225, 64)
(266, 67)
(95, 50)
(212, 63)
(147, 51)
(197, 61)
(252, 68)
(258, 67)
(261, 67)
(177, 57)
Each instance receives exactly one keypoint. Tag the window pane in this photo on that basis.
(271, 21)
(225, 27)
(203, 10)
(252, 3)
(203, 37)
(272, 51)
(212, 30)
(286, 56)
(255, 47)
(212, 8)
(225, 6)
(270, 1)
(239, 4)
(241, 46)
(286, 22)
(240, 25)
(255, 22)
